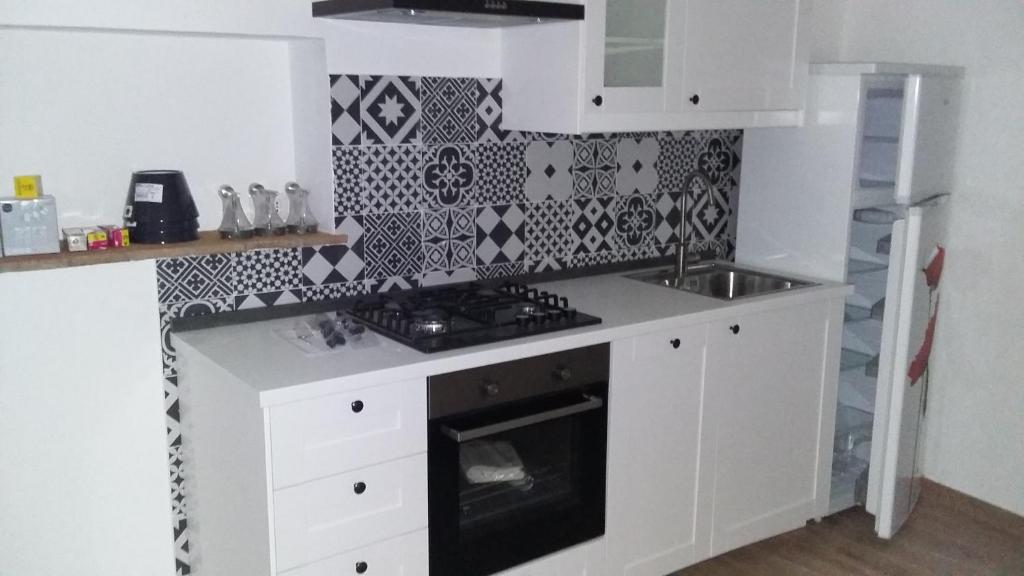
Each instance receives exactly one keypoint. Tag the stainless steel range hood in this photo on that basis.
(464, 13)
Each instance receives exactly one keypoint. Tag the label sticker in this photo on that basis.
(149, 193)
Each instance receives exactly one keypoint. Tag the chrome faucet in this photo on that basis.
(683, 247)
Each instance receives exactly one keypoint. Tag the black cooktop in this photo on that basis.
(460, 315)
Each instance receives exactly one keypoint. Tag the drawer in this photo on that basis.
(332, 434)
(403, 556)
(348, 511)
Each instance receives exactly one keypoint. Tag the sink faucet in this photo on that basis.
(683, 247)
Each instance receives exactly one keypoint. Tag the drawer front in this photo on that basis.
(333, 434)
(403, 556)
(348, 511)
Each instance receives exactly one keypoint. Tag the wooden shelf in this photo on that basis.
(208, 243)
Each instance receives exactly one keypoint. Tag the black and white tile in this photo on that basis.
(500, 234)
(394, 245)
(667, 218)
(593, 225)
(594, 167)
(489, 113)
(324, 292)
(348, 182)
(503, 270)
(331, 265)
(588, 259)
(346, 129)
(449, 176)
(259, 271)
(194, 278)
(718, 159)
(634, 221)
(268, 299)
(548, 233)
(500, 174)
(636, 159)
(674, 154)
(549, 170)
(392, 284)
(392, 178)
(390, 109)
(449, 110)
(707, 212)
(449, 239)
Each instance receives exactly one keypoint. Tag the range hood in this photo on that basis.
(464, 13)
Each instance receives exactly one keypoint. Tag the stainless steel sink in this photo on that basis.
(721, 281)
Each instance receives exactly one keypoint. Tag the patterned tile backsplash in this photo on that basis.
(430, 189)
(443, 189)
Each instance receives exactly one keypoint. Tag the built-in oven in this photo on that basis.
(517, 455)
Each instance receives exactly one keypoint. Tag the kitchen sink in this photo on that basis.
(722, 281)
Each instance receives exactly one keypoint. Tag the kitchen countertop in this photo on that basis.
(281, 373)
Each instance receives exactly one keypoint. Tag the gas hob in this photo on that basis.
(460, 315)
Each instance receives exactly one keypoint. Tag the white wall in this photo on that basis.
(84, 485)
(85, 109)
(975, 434)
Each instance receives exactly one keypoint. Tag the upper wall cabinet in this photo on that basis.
(658, 65)
(243, 17)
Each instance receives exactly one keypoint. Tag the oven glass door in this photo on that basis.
(516, 483)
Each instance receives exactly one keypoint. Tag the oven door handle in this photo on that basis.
(589, 403)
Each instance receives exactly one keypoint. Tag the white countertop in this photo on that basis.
(280, 372)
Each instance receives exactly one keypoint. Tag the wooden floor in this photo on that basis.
(948, 534)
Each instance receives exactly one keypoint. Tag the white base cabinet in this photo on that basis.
(719, 435)
(654, 455)
(722, 441)
(772, 396)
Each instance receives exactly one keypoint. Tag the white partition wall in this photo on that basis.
(83, 465)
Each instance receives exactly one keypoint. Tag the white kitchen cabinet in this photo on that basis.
(351, 484)
(658, 64)
(742, 55)
(770, 409)
(656, 522)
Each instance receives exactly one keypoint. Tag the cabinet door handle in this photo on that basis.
(675, 342)
(695, 99)
(598, 100)
(362, 567)
(357, 406)
(359, 487)
(735, 328)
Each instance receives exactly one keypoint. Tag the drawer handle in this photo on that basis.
(357, 406)
(675, 342)
(359, 487)
(735, 328)
(362, 567)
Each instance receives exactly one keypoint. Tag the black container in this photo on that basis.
(160, 208)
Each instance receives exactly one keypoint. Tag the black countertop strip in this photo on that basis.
(309, 308)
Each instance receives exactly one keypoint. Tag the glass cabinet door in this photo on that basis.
(634, 43)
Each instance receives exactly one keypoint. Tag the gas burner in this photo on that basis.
(455, 316)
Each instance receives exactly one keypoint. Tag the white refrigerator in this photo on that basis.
(860, 194)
